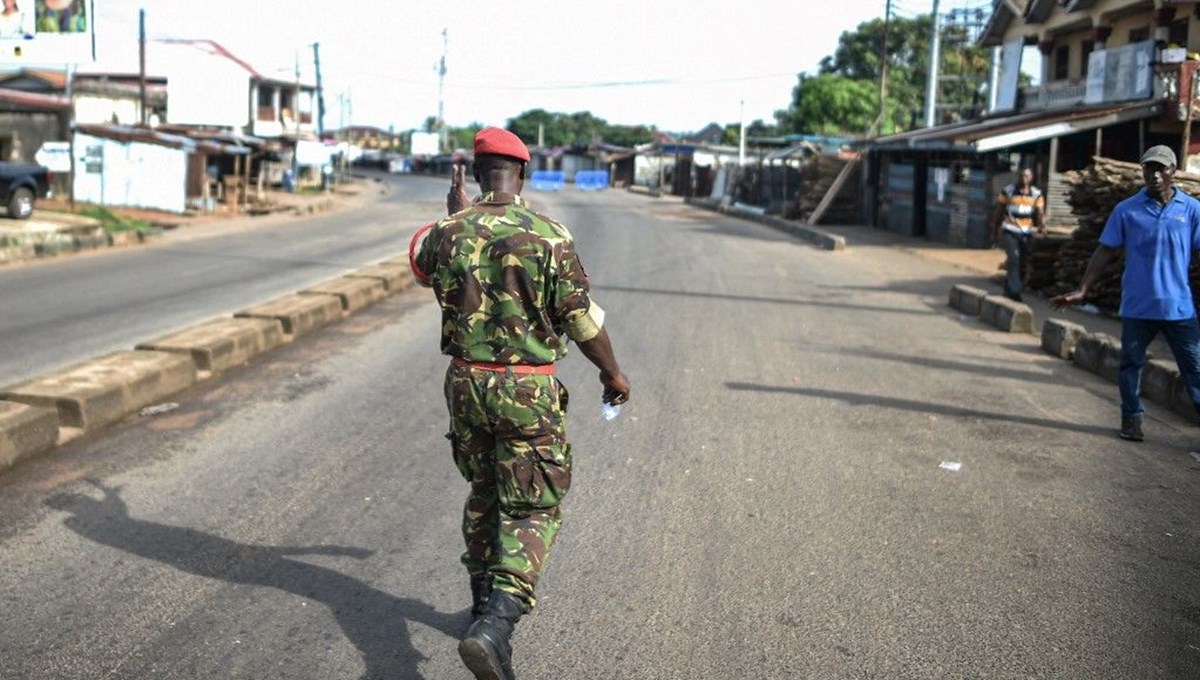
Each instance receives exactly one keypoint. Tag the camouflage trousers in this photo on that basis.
(508, 439)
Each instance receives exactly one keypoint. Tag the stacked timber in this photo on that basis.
(817, 177)
(1093, 193)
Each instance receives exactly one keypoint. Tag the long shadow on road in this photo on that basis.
(855, 399)
(373, 620)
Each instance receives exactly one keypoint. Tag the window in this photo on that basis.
(1139, 34)
(1062, 62)
(1089, 46)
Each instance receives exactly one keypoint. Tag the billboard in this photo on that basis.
(46, 31)
(1121, 73)
(424, 144)
(1010, 75)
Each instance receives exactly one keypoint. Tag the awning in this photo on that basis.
(1009, 131)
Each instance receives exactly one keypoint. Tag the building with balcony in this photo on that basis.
(1112, 80)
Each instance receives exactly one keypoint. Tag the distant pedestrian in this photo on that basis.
(510, 285)
(1159, 230)
(1020, 208)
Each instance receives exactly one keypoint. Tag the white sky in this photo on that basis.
(695, 59)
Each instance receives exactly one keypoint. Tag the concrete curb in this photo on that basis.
(1097, 353)
(807, 232)
(221, 344)
(42, 412)
(1007, 315)
(967, 299)
(353, 292)
(96, 393)
(994, 310)
(299, 314)
(25, 430)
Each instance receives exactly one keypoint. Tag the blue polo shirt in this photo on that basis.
(1158, 242)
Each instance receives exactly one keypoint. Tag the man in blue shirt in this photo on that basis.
(1159, 229)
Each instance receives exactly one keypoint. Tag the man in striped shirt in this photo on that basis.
(1020, 208)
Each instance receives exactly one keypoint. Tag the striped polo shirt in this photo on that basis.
(1019, 207)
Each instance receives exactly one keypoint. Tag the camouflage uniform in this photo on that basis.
(510, 286)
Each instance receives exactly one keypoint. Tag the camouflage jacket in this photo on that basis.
(509, 283)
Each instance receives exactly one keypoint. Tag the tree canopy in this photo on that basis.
(575, 129)
(843, 97)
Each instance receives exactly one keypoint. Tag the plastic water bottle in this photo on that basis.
(609, 411)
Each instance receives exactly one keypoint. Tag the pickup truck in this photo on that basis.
(21, 184)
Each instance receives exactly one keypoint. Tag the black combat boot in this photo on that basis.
(486, 650)
(481, 588)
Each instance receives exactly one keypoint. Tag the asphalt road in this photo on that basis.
(60, 312)
(770, 504)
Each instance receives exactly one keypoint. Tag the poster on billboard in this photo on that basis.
(46, 32)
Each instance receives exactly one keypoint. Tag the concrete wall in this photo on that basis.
(108, 172)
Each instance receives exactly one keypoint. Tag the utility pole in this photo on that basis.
(931, 84)
(742, 133)
(441, 120)
(320, 92)
(883, 64)
(142, 117)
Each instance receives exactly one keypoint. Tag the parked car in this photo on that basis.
(21, 184)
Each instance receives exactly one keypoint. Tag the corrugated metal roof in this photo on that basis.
(122, 133)
(1007, 131)
(31, 100)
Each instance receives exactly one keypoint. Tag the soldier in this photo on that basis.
(510, 285)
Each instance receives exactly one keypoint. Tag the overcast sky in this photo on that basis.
(677, 65)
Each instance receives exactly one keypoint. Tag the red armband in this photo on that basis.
(418, 273)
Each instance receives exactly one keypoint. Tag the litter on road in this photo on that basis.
(159, 409)
(951, 466)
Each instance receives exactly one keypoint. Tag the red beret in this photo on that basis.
(500, 142)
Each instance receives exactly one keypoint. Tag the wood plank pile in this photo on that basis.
(1092, 194)
(817, 177)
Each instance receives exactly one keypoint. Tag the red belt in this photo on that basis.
(522, 369)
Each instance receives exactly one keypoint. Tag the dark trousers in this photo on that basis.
(1136, 335)
(1017, 248)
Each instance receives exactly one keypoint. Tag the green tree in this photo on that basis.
(856, 65)
(830, 104)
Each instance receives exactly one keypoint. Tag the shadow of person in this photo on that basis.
(374, 621)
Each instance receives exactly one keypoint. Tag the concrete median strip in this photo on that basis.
(354, 292)
(1059, 337)
(299, 314)
(46, 411)
(221, 344)
(25, 430)
(395, 276)
(100, 392)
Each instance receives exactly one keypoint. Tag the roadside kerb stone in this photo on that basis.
(221, 344)
(1099, 353)
(1181, 401)
(299, 314)
(100, 392)
(807, 232)
(1007, 315)
(25, 430)
(967, 299)
(1159, 377)
(395, 277)
(1059, 337)
(355, 293)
